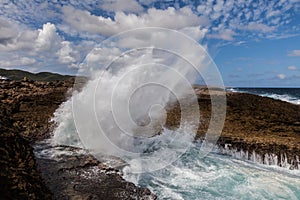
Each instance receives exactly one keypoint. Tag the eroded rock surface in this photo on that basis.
(26, 108)
(268, 127)
(19, 177)
(84, 177)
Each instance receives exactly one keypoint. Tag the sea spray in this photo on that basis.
(121, 110)
(273, 159)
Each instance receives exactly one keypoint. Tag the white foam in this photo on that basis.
(3, 78)
(267, 159)
(283, 97)
(219, 177)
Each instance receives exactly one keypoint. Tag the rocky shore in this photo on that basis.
(256, 128)
(26, 109)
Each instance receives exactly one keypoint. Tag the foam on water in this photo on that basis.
(283, 97)
(219, 177)
(267, 159)
(290, 95)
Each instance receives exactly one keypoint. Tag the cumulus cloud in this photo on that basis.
(47, 38)
(169, 18)
(37, 35)
(17, 62)
(24, 47)
(254, 16)
(294, 53)
(67, 55)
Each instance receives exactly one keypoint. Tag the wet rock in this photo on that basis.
(84, 177)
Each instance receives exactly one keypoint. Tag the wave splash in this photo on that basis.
(121, 110)
(124, 116)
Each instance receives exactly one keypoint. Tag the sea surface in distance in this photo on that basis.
(291, 95)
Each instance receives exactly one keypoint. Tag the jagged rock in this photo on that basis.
(84, 177)
(31, 105)
(19, 178)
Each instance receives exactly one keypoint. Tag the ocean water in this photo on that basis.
(291, 95)
(218, 176)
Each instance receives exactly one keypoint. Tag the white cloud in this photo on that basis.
(47, 38)
(26, 46)
(121, 5)
(194, 32)
(255, 16)
(83, 21)
(224, 35)
(17, 62)
(295, 52)
(281, 76)
(257, 27)
(273, 13)
(67, 55)
(292, 67)
(219, 19)
(7, 31)
(102, 55)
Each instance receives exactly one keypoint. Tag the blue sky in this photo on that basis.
(253, 43)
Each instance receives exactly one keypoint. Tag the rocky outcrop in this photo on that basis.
(19, 177)
(32, 104)
(254, 126)
(84, 177)
(26, 108)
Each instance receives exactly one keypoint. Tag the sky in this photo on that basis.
(254, 43)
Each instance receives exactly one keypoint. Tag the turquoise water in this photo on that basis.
(219, 177)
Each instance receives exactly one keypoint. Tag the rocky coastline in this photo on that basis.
(256, 128)
(26, 109)
(268, 127)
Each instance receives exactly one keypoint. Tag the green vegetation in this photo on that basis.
(41, 76)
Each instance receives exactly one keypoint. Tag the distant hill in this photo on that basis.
(16, 74)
